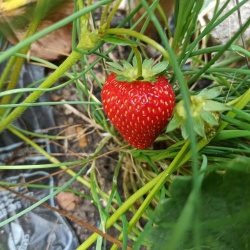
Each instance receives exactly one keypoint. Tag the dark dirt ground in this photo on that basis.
(84, 209)
(83, 143)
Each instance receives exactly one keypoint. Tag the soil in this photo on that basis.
(84, 209)
(82, 141)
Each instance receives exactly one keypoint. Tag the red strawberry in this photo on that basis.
(139, 110)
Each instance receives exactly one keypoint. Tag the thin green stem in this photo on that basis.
(104, 15)
(81, 7)
(185, 15)
(240, 104)
(139, 62)
(200, 144)
(141, 37)
(190, 214)
(232, 48)
(219, 70)
(41, 166)
(47, 104)
(6, 72)
(190, 29)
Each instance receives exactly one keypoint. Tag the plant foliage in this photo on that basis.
(223, 212)
(192, 186)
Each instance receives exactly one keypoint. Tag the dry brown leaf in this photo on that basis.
(67, 201)
(77, 133)
(82, 137)
(15, 19)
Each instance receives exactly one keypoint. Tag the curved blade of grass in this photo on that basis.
(47, 104)
(231, 134)
(42, 166)
(189, 212)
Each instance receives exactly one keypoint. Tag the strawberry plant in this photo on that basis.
(171, 137)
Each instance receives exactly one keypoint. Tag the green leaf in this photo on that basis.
(174, 123)
(116, 71)
(120, 41)
(199, 126)
(210, 93)
(160, 67)
(223, 215)
(209, 118)
(121, 78)
(147, 63)
(215, 106)
(115, 65)
(134, 61)
(184, 130)
(126, 64)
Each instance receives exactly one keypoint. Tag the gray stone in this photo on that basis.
(226, 30)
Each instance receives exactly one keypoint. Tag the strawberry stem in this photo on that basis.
(139, 63)
(153, 43)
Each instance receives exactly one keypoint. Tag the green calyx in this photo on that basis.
(128, 72)
(204, 111)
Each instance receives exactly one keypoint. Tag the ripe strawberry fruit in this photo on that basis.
(139, 109)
